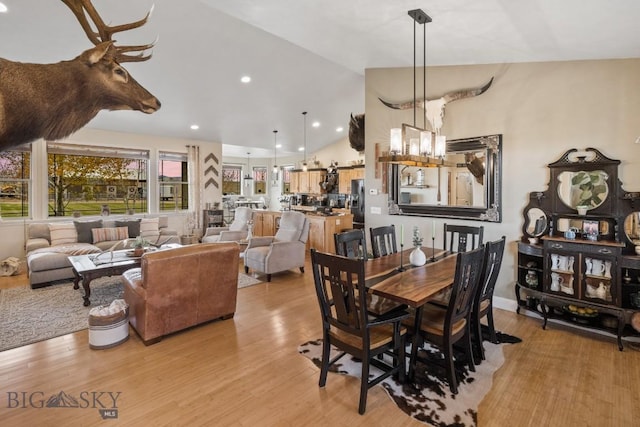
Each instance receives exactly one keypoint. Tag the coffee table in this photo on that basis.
(93, 266)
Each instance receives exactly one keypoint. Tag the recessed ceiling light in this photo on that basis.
(195, 127)
(301, 149)
(3, 8)
(278, 145)
(245, 79)
(339, 129)
(316, 124)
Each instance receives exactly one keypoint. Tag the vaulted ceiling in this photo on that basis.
(305, 56)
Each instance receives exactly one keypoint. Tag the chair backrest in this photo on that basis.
(293, 226)
(341, 292)
(351, 244)
(383, 240)
(242, 215)
(465, 283)
(492, 263)
(461, 238)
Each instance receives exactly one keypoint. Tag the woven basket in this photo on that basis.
(108, 331)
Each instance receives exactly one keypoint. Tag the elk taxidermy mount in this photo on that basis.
(52, 101)
(434, 108)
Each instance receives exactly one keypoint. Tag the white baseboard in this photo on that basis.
(505, 303)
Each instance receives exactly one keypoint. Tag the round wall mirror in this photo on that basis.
(584, 189)
(537, 223)
(632, 227)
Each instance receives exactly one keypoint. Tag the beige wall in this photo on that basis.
(541, 109)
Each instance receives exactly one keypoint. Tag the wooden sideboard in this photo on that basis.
(576, 261)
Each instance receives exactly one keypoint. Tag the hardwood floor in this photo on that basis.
(247, 371)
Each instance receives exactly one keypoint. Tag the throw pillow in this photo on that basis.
(149, 229)
(109, 234)
(133, 226)
(84, 230)
(63, 233)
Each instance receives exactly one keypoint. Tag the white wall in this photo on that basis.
(13, 231)
(541, 109)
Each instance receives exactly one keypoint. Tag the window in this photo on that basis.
(87, 180)
(15, 182)
(259, 180)
(286, 179)
(173, 181)
(231, 179)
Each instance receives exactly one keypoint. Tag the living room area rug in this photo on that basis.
(428, 399)
(31, 315)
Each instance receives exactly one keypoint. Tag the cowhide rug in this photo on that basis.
(429, 399)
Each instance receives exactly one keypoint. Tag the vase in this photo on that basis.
(417, 257)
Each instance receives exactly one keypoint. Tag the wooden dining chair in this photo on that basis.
(444, 326)
(483, 302)
(383, 240)
(341, 292)
(461, 238)
(351, 243)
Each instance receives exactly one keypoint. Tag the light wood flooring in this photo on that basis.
(247, 372)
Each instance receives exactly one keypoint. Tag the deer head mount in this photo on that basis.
(434, 108)
(52, 101)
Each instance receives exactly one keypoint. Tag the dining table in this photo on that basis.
(392, 277)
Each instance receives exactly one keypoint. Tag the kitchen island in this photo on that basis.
(322, 227)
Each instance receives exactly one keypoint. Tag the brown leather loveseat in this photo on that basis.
(177, 288)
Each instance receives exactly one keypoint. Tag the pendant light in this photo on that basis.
(275, 154)
(248, 177)
(304, 164)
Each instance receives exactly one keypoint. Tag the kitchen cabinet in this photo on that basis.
(315, 179)
(294, 185)
(344, 181)
(345, 176)
(307, 182)
(265, 223)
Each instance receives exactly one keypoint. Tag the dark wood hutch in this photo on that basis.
(577, 259)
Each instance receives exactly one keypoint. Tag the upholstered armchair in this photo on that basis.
(285, 250)
(237, 230)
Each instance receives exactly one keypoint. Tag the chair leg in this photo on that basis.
(469, 349)
(268, 277)
(246, 270)
(364, 385)
(451, 369)
(326, 347)
(478, 338)
(492, 329)
(302, 270)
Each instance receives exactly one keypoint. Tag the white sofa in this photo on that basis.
(49, 245)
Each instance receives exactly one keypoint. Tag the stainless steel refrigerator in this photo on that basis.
(357, 202)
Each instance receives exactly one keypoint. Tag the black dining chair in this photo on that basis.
(483, 303)
(383, 240)
(461, 238)
(351, 243)
(341, 292)
(444, 326)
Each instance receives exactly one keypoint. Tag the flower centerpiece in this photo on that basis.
(417, 257)
(417, 238)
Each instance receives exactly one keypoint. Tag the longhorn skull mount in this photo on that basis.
(434, 108)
